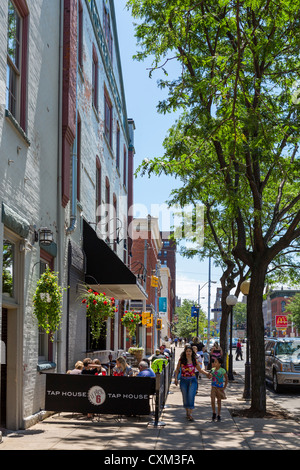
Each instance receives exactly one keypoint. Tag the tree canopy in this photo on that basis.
(235, 145)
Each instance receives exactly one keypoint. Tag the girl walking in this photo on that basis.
(188, 366)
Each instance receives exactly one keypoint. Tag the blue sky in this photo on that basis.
(142, 96)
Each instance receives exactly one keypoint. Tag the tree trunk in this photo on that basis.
(256, 334)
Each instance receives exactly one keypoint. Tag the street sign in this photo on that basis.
(162, 302)
(195, 311)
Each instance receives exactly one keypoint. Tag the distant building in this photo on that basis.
(167, 256)
(279, 300)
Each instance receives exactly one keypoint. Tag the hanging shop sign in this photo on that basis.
(100, 395)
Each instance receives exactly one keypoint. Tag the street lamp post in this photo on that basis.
(231, 300)
(245, 286)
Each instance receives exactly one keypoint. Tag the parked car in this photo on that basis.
(282, 362)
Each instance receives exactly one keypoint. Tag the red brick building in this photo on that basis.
(146, 245)
(279, 302)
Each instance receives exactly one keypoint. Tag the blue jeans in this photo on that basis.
(188, 387)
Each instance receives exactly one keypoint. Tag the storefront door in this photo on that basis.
(3, 368)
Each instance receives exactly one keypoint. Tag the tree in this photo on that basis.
(186, 326)
(239, 132)
(294, 308)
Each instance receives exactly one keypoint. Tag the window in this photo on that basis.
(80, 35)
(107, 211)
(95, 79)
(115, 220)
(108, 118)
(98, 189)
(118, 147)
(16, 71)
(125, 168)
(107, 31)
(8, 269)
(78, 156)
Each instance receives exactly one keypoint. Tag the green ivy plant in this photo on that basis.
(47, 302)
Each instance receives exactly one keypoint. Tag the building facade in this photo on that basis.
(279, 300)
(146, 244)
(66, 156)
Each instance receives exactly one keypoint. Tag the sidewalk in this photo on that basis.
(67, 431)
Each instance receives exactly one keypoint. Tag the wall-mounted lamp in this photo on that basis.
(45, 236)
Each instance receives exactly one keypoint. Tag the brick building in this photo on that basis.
(167, 256)
(145, 248)
(66, 159)
(279, 300)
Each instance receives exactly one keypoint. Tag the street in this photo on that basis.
(288, 399)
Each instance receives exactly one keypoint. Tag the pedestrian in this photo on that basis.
(199, 360)
(188, 366)
(239, 352)
(196, 342)
(216, 351)
(205, 358)
(218, 374)
(176, 341)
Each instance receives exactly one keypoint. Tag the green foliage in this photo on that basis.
(294, 308)
(130, 320)
(98, 308)
(48, 302)
(186, 326)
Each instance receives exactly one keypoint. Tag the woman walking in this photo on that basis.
(188, 366)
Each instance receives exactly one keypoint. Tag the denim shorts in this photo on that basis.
(188, 387)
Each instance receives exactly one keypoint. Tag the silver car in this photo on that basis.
(282, 362)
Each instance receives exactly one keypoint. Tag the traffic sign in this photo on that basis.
(195, 311)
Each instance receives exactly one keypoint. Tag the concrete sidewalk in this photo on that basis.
(71, 431)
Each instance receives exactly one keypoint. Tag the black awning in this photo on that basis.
(105, 271)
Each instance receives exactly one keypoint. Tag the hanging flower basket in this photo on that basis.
(47, 302)
(99, 308)
(130, 320)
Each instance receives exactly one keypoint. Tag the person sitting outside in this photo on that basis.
(145, 370)
(122, 368)
(77, 370)
(88, 367)
(100, 369)
(158, 361)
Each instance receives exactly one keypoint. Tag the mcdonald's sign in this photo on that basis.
(281, 321)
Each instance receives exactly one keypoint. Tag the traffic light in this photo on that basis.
(158, 323)
(154, 281)
(147, 319)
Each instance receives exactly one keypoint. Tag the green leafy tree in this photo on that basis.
(294, 308)
(238, 132)
(186, 327)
